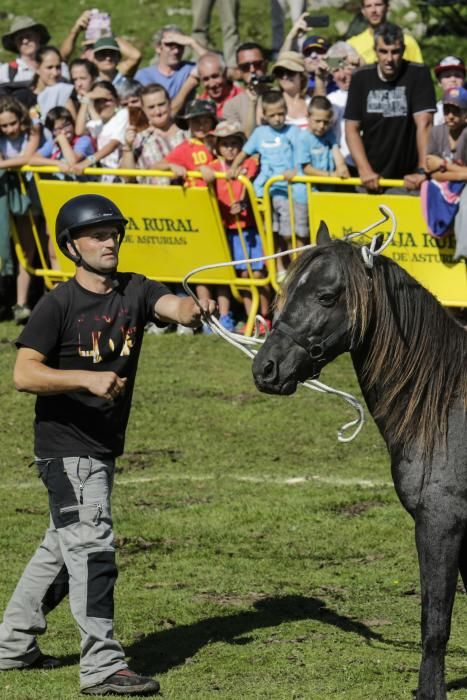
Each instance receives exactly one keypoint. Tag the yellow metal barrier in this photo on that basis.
(173, 229)
(428, 260)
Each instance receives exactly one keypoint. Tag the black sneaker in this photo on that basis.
(124, 682)
(44, 663)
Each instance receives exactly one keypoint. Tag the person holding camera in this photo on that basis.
(245, 107)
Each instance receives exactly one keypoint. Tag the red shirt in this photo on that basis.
(191, 154)
(229, 91)
(230, 191)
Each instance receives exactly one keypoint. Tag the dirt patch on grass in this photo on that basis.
(141, 459)
(134, 545)
(353, 510)
(231, 600)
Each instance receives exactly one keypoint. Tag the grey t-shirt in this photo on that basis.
(438, 144)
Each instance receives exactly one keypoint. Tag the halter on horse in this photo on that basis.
(410, 359)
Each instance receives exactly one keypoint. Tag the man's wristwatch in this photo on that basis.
(420, 171)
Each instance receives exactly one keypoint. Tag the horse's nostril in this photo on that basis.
(269, 370)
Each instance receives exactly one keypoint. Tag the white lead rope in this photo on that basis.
(249, 345)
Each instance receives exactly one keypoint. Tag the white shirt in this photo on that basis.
(113, 130)
(338, 99)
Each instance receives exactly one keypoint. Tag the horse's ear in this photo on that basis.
(323, 237)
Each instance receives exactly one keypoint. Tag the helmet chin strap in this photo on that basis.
(81, 262)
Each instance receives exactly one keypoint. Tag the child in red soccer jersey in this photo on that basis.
(239, 223)
(195, 152)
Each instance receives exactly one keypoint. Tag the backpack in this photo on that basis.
(12, 86)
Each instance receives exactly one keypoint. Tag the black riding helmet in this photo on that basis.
(81, 212)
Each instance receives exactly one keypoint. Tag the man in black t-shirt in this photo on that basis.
(389, 113)
(79, 353)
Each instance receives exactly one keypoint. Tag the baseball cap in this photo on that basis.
(290, 60)
(106, 43)
(456, 96)
(198, 108)
(448, 63)
(315, 42)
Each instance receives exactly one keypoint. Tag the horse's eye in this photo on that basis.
(327, 299)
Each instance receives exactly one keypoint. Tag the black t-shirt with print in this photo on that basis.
(385, 111)
(79, 330)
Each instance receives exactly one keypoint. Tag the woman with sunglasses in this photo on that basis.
(289, 72)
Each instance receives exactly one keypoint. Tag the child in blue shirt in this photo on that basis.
(322, 153)
(279, 146)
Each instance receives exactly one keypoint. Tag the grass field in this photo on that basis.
(259, 558)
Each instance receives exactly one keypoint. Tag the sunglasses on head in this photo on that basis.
(250, 64)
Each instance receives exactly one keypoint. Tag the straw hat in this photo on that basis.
(225, 129)
(20, 24)
(290, 60)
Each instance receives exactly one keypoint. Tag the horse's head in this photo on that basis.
(312, 326)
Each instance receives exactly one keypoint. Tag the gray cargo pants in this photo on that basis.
(77, 556)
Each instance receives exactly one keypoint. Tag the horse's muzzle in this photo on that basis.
(268, 379)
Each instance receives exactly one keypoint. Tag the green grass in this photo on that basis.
(235, 581)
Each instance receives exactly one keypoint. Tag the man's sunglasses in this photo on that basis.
(257, 65)
(313, 53)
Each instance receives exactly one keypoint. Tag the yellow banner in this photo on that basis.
(427, 259)
(173, 230)
(170, 231)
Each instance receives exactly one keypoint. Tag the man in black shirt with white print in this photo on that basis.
(389, 114)
(79, 354)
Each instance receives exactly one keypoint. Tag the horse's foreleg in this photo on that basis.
(438, 537)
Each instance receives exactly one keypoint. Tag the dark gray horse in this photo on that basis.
(410, 359)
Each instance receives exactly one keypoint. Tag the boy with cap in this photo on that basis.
(194, 153)
(450, 72)
(448, 141)
(237, 217)
(447, 163)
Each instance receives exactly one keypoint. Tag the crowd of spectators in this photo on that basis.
(363, 107)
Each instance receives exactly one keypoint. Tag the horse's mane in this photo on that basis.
(416, 353)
